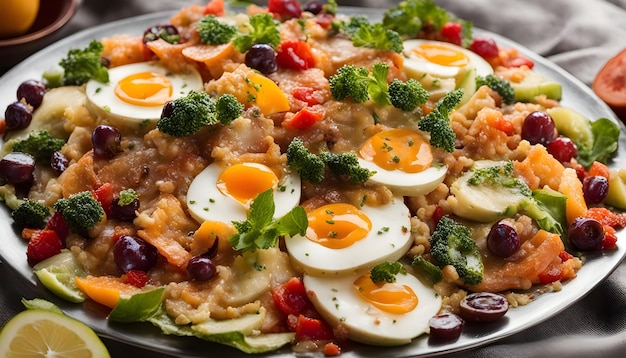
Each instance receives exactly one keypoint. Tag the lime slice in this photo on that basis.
(57, 274)
(39, 333)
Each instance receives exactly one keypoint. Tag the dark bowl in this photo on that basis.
(52, 16)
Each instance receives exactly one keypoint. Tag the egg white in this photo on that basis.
(406, 184)
(101, 96)
(440, 79)
(388, 240)
(206, 202)
(335, 299)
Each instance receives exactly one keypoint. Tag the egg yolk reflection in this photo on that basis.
(441, 55)
(144, 89)
(389, 297)
(337, 226)
(398, 149)
(244, 182)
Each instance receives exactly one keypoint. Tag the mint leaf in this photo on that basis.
(261, 231)
(138, 307)
(294, 222)
(262, 210)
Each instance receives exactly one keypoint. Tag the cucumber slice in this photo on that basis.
(246, 324)
(617, 189)
(534, 85)
(572, 124)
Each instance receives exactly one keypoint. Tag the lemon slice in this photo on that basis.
(57, 274)
(40, 333)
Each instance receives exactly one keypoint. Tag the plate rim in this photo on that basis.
(95, 315)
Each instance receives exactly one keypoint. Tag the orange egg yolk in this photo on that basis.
(389, 297)
(441, 55)
(145, 89)
(337, 226)
(244, 182)
(398, 149)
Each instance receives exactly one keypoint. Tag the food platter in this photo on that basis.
(575, 95)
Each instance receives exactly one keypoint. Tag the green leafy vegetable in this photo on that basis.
(605, 138)
(138, 307)
(261, 231)
(262, 29)
(346, 164)
(411, 16)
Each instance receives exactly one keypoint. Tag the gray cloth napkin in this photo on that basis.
(578, 35)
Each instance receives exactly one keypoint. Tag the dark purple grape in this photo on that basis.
(563, 149)
(483, 307)
(124, 212)
(539, 128)
(166, 32)
(18, 115)
(446, 326)
(503, 239)
(201, 268)
(168, 109)
(134, 253)
(586, 234)
(17, 167)
(313, 6)
(32, 92)
(59, 162)
(595, 189)
(106, 141)
(262, 58)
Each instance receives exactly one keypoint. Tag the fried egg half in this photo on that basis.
(402, 160)
(442, 67)
(383, 314)
(224, 193)
(138, 91)
(342, 238)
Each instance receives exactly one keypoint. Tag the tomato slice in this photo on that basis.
(304, 119)
(610, 83)
(295, 55)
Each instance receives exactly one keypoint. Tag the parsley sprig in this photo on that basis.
(261, 230)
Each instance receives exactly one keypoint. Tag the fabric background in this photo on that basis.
(578, 35)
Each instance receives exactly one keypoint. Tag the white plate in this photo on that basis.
(597, 268)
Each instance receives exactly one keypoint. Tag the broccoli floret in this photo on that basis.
(31, 214)
(451, 244)
(127, 197)
(214, 32)
(40, 144)
(186, 115)
(82, 65)
(227, 108)
(503, 87)
(350, 81)
(81, 211)
(346, 164)
(432, 272)
(309, 166)
(263, 29)
(407, 95)
(437, 122)
(386, 271)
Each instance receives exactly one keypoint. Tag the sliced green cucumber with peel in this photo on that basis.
(535, 84)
